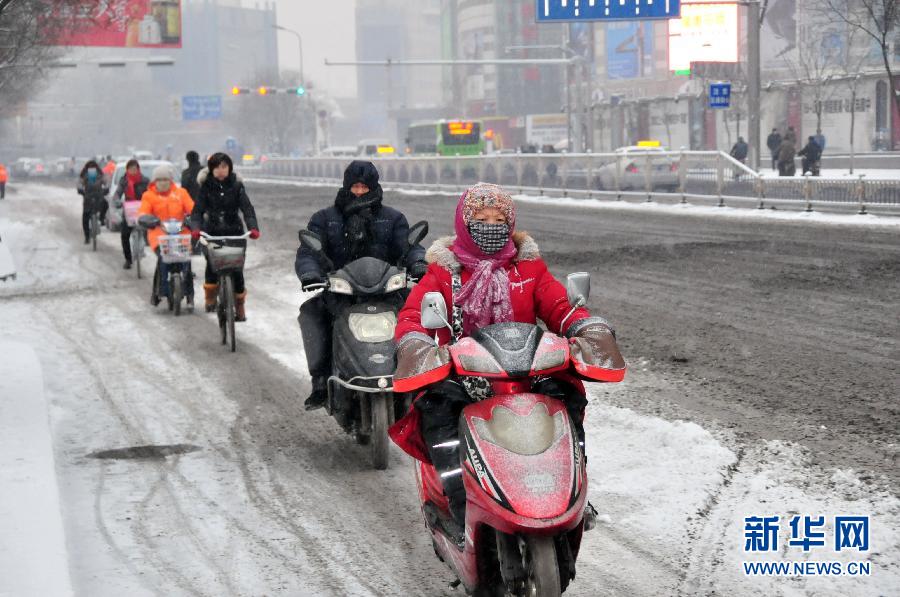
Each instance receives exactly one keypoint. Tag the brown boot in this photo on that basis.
(212, 292)
(239, 314)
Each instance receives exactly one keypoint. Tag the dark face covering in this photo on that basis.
(490, 238)
(359, 212)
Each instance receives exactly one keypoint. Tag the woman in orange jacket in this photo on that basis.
(167, 201)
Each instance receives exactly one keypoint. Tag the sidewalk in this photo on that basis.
(33, 559)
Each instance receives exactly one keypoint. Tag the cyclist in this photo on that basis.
(133, 186)
(222, 195)
(93, 188)
(167, 201)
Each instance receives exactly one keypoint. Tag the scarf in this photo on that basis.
(484, 299)
(133, 179)
(359, 219)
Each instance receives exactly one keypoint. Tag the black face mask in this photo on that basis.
(490, 238)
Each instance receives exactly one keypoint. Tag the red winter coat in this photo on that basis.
(533, 292)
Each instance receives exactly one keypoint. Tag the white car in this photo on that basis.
(147, 167)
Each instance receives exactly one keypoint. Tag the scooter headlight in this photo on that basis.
(396, 282)
(339, 286)
(373, 327)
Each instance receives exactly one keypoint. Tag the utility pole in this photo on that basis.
(753, 83)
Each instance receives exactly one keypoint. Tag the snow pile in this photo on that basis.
(33, 557)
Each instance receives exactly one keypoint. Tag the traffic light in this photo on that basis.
(301, 91)
(263, 90)
(239, 90)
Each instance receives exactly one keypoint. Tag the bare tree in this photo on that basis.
(876, 19)
(816, 60)
(276, 121)
(28, 31)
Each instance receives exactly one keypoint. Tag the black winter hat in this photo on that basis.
(361, 171)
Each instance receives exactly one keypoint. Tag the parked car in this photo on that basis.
(375, 148)
(147, 168)
(337, 151)
(633, 162)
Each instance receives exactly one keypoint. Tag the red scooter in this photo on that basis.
(524, 470)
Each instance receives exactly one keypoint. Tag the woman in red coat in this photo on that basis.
(490, 274)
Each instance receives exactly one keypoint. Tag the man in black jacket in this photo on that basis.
(811, 154)
(773, 142)
(356, 226)
(189, 175)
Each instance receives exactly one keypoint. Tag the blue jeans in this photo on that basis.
(163, 269)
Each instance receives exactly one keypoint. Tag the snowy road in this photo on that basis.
(763, 381)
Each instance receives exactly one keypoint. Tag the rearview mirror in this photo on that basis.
(578, 288)
(311, 241)
(417, 232)
(434, 311)
(148, 221)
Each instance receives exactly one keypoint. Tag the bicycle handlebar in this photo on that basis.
(204, 237)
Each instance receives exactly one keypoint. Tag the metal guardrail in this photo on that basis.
(711, 174)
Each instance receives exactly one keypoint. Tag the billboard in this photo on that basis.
(623, 10)
(706, 32)
(126, 24)
(629, 50)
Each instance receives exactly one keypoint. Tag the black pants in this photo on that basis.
(126, 241)
(774, 161)
(2, 190)
(440, 408)
(212, 277)
(86, 223)
(315, 327)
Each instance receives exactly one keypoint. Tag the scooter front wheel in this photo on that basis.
(381, 405)
(543, 568)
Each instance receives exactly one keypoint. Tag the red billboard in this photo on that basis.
(126, 24)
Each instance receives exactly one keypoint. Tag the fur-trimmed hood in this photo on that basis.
(204, 174)
(440, 252)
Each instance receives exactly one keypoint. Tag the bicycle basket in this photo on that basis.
(131, 212)
(175, 248)
(226, 255)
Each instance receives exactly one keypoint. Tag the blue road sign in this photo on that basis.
(201, 107)
(606, 10)
(720, 95)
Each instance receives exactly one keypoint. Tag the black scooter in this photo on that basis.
(368, 294)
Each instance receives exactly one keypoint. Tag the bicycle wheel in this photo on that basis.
(229, 308)
(220, 311)
(177, 291)
(95, 229)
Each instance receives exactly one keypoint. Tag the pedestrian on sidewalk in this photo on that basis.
(786, 153)
(773, 142)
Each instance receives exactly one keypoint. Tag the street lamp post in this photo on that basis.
(299, 48)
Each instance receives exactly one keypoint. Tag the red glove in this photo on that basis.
(195, 235)
(254, 234)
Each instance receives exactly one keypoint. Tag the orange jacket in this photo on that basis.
(174, 205)
(110, 168)
(4, 175)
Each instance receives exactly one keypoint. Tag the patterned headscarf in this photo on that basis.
(485, 194)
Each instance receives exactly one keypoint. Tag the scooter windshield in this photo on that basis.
(527, 435)
(369, 275)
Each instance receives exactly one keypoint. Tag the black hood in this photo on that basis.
(361, 171)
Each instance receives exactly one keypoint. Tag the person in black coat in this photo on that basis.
(132, 187)
(189, 175)
(221, 200)
(356, 226)
(92, 187)
(811, 153)
(773, 142)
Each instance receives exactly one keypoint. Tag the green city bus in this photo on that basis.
(445, 137)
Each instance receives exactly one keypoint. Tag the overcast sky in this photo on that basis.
(328, 29)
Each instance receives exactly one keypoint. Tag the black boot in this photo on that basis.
(319, 394)
(127, 265)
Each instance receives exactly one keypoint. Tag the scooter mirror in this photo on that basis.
(578, 288)
(417, 232)
(148, 221)
(311, 241)
(434, 311)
